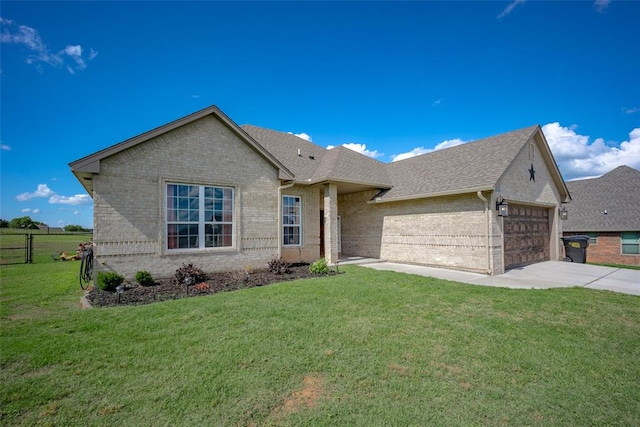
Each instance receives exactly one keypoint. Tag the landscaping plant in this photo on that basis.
(144, 278)
(319, 267)
(108, 280)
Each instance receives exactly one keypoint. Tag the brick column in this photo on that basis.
(331, 223)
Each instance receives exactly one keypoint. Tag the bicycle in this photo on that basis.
(86, 267)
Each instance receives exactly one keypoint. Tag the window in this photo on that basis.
(593, 238)
(291, 220)
(199, 217)
(630, 243)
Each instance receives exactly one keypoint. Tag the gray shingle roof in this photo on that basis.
(472, 166)
(468, 167)
(617, 192)
(285, 146)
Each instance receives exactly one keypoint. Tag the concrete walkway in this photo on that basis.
(543, 275)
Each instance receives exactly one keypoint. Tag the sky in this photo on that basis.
(388, 79)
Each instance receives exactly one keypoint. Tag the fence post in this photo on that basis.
(30, 248)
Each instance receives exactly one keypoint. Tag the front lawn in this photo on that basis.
(363, 348)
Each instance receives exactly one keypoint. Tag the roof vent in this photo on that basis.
(299, 152)
(312, 157)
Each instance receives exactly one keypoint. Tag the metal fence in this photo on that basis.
(18, 247)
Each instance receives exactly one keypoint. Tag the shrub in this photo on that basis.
(278, 266)
(188, 274)
(319, 267)
(109, 280)
(144, 278)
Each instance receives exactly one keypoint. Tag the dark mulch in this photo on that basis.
(135, 294)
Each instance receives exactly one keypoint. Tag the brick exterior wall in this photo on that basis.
(129, 201)
(450, 231)
(608, 250)
(441, 231)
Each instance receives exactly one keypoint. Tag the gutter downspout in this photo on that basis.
(486, 235)
(282, 187)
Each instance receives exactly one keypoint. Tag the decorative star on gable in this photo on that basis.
(532, 174)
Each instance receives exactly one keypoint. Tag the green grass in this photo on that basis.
(364, 348)
(630, 267)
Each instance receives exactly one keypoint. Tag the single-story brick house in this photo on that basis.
(202, 189)
(608, 210)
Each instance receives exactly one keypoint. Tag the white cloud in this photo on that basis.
(421, 150)
(437, 102)
(507, 10)
(577, 157)
(42, 191)
(359, 148)
(302, 135)
(78, 199)
(5, 147)
(34, 211)
(631, 110)
(601, 5)
(13, 33)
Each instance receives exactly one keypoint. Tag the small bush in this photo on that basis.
(278, 266)
(319, 267)
(109, 281)
(188, 274)
(144, 278)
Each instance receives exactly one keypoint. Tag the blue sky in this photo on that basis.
(388, 78)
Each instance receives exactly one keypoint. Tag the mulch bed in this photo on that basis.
(135, 294)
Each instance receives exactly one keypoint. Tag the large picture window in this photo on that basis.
(199, 216)
(630, 243)
(291, 220)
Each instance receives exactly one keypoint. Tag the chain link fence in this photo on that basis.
(19, 247)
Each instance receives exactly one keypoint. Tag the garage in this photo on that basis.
(526, 235)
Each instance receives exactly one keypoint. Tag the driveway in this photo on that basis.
(543, 275)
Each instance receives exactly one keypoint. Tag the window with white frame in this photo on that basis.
(291, 220)
(199, 216)
(630, 243)
(593, 238)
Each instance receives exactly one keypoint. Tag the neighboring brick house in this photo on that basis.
(228, 197)
(608, 210)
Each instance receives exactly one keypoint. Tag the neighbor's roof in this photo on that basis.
(616, 192)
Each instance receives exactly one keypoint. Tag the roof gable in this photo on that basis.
(615, 193)
(86, 167)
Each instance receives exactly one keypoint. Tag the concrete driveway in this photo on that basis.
(543, 275)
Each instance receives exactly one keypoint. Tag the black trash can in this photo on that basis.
(575, 248)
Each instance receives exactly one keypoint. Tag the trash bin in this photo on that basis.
(575, 248)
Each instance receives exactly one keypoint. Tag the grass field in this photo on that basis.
(364, 348)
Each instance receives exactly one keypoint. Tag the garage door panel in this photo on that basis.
(526, 235)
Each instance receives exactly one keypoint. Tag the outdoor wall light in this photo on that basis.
(563, 213)
(502, 207)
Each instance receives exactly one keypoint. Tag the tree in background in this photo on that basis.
(4, 223)
(75, 228)
(24, 222)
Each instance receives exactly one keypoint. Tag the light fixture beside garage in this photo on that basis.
(502, 207)
(564, 214)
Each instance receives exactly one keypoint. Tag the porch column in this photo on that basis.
(331, 223)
